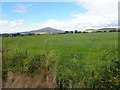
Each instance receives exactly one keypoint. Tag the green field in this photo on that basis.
(73, 60)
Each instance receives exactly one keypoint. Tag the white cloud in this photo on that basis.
(21, 8)
(2, 22)
(13, 23)
(99, 14)
(20, 20)
(17, 26)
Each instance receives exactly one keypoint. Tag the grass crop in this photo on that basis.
(87, 60)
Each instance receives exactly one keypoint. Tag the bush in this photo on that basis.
(19, 61)
(74, 73)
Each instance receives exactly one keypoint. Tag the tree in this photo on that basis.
(79, 32)
(5, 35)
(98, 31)
(14, 35)
(66, 32)
(113, 30)
(76, 31)
(71, 31)
(84, 32)
(31, 33)
(118, 30)
(18, 34)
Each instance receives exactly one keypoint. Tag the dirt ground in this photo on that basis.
(17, 80)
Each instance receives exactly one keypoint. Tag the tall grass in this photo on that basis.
(71, 61)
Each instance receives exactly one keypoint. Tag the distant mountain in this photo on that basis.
(45, 30)
(108, 29)
(101, 30)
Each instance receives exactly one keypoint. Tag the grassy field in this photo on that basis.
(72, 60)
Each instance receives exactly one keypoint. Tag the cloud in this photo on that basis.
(20, 20)
(99, 14)
(17, 26)
(2, 22)
(21, 8)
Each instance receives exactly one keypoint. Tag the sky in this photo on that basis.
(80, 15)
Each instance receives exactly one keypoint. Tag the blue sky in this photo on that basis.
(40, 12)
(80, 15)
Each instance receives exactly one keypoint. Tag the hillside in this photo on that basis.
(45, 30)
(107, 29)
(90, 30)
(101, 30)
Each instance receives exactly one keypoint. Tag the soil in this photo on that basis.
(22, 80)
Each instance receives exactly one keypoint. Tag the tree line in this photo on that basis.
(66, 32)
